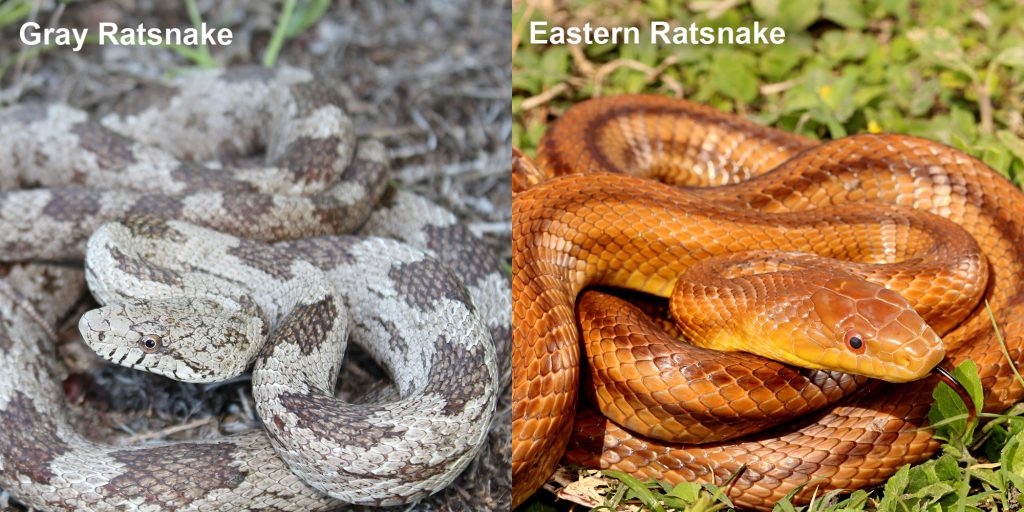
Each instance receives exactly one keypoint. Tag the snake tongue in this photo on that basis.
(947, 377)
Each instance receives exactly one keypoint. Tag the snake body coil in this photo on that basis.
(577, 231)
(167, 170)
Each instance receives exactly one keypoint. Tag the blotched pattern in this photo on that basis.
(88, 172)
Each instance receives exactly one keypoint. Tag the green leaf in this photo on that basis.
(279, 35)
(848, 13)
(554, 65)
(687, 491)
(12, 11)
(894, 488)
(1012, 143)
(1012, 458)
(638, 489)
(790, 14)
(986, 475)
(1011, 57)
(942, 469)
(897, 8)
(856, 501)
(964, 123)
(922, 101)
(941, 47)
(778, 61)
(996, 157)
(306, 14)
(658, 9)
(933, 492)
(732, 76)
(948, 405)
(785, 504)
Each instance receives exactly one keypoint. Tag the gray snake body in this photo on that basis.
(376, 453)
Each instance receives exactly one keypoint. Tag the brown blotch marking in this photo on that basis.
(420, 283)
(369, 174)
(450, 363)
(396, 342)
(156, 473)
(233, 338)
(372, 176)
(29, 442)
(112, 150)
(157, 204)
(320, 414)
(462, 252)
(307, 325)
(144, 270)
(247, 206)
(311, 158)
(270, 259)
(5, 343)
(73, 203)
(147, 226)
(240, 74)
(324, 253)
(338, 217)
(311, 95)
(151, 97)
(51, 281)
(502, 337)
(198, 178)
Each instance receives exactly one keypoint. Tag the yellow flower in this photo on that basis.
(874, 127)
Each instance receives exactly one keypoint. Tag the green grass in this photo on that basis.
(951, 71)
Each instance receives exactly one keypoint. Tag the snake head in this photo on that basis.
(186, 339)
(866, 329)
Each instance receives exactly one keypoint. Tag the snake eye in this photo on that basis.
(854, 342)
(150, 343)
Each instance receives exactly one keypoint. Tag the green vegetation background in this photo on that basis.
(946, 70)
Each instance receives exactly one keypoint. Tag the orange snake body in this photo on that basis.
(578, 231)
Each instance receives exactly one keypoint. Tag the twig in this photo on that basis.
(484, 166)
(650, 73)
(517, 34)
(778, 87)
(159, 434)
(535, 101)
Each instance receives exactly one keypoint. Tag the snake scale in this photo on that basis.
(165, 187)
(580, 219)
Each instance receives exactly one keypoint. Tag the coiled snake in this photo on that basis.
(611, 229)
(160, 218)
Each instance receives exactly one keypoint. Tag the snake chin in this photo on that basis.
(888, 359)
